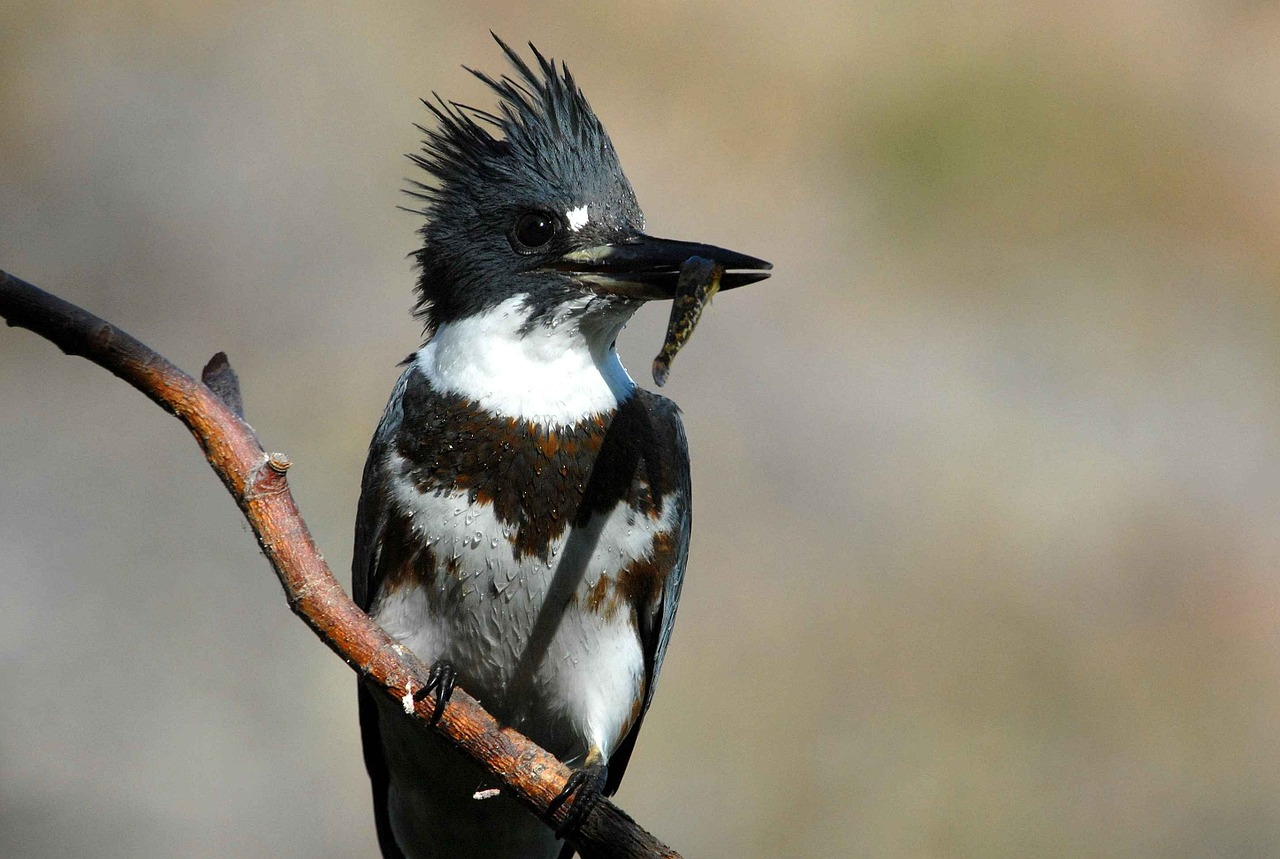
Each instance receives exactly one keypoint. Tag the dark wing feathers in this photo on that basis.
(655, 631)
(371, 518)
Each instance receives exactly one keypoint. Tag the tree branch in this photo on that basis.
(257, 482)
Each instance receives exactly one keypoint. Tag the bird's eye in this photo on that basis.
(535, 230)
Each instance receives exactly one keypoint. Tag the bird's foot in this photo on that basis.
(441, 679)
(586, 786)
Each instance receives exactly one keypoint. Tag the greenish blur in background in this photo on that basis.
(986, 476)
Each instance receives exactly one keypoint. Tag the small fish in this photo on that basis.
(698, 283)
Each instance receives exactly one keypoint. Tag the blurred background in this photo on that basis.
(985, 556)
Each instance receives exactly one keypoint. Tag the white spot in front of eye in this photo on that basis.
(577, 217)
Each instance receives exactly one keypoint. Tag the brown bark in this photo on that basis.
(258, 483)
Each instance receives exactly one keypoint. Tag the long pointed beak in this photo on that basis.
(648, 268)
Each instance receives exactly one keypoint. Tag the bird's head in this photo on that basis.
(530, 201)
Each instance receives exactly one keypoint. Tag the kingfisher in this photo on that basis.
(524, 515)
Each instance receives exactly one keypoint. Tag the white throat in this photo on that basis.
(555, 374)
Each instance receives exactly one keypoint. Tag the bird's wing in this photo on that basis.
(656, 621)
(371, 520)
(371, 514)
(367, 572)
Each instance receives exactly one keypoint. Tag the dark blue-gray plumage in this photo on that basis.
(551, 153)
(525, 509)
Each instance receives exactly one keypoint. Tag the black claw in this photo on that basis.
(440, 679)
(586, 786)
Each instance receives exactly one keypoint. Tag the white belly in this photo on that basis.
(523, 632)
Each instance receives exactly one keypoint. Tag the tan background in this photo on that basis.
(985, 560)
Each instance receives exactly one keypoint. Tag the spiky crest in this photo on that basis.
(544, 141)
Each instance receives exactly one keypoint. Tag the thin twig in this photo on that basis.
(257, 482)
